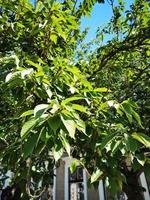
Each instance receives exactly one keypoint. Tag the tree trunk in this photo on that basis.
(132, 188)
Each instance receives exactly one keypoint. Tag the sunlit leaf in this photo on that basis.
(70, 125)
(142, 138)
(97, 174)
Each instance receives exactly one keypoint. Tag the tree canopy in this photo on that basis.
(59, 96)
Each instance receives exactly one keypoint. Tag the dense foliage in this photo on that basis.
(57, 97)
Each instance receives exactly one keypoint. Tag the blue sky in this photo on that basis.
(100, 16)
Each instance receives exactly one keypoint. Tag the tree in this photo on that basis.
(56, 101)
(122, 65)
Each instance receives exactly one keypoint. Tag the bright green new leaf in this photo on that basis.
(73, 166)
(27, 113)
(37, 66)
(116, 145)
(11, 76)
(102, 90)
(53, 38)
(81, 126)
(79, 108)
(57, 153)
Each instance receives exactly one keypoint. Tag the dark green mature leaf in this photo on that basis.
(54, 123)
(27, 127)
(107, 140)
(131, 143)
(30, 145)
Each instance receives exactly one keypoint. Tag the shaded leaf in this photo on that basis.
(54, 123)
(29, 145)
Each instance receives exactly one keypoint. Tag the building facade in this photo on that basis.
(67, 186)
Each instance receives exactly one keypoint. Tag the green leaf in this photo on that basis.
(116, 145)
(57, 150)
(29, 145)
(102, 90)
(54, 123)
(79, 108)
(81, 126)
(141, 159)
(37, 66)
(127, 107)
(107, 140)
(44, 135)
(137, 118)
(53, 37)
(74, 98)
(142, 138)
(12, 76)
(27, 127)
(127, 110)
(27, 113)
(40, 109)
(131, 143)
(96, 175)
(73, 166)
(65, 144)
(70, 125)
